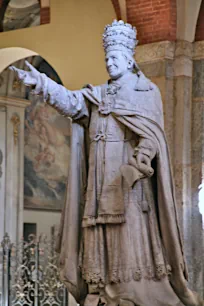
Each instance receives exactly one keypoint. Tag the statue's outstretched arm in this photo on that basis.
(68, 103)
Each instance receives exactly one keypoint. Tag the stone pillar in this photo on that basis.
(197, 161)
(156, 62)
(170, 66)
(2, 167)
(12, 166)
(182, 143)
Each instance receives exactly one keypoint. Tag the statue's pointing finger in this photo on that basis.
(34, 71)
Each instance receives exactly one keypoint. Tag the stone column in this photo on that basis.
(12, 166)
(197, 161)
(2, 167)
(156, 62)
(182, 143)
(170, 66)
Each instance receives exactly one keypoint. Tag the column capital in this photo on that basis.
(155, 52)
(198, 50)
(183, 48)
(183, 62)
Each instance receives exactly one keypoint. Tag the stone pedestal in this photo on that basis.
(12, 166)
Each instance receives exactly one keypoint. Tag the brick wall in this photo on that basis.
(199, 35)
(44, 15)
(155, 20)
(116, 7)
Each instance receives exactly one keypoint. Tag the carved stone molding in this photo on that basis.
(16, 102)
(16, 121)
(184, 48)
(198, 50)
(198, 99)
(155, 51)
(183, 66)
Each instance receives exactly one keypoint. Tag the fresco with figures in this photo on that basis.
(47, 136)
(46, 157)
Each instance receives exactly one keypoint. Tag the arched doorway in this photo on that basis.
(34, 144)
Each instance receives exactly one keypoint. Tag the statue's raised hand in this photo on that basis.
(29, 78)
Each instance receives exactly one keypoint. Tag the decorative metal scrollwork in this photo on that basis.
(34, 275)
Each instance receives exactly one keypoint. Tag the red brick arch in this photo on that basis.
(155, 19)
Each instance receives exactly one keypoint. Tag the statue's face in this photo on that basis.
(116, 64)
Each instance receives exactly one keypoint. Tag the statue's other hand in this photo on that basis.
(29, 78)
(143, 164)
(143, 159)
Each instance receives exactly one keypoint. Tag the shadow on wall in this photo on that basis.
(18, 14)
(46, 142)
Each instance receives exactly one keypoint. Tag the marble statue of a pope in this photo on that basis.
(119, 240)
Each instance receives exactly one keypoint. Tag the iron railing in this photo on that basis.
(29, 273)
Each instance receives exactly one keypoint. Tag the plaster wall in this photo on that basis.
(43, 219)
(72, 42)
